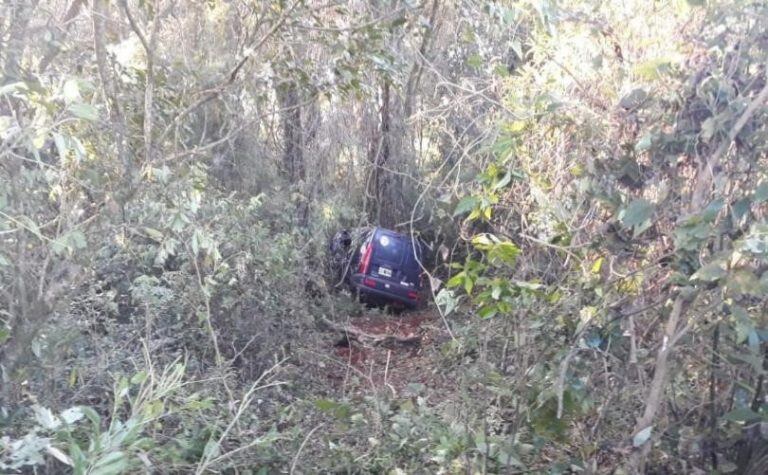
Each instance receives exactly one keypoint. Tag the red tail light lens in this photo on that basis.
(413, 295)
(369, 282)
(365, 262)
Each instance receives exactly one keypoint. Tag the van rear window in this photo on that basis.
(389, 248)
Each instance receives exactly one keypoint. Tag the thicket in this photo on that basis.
(589, 176)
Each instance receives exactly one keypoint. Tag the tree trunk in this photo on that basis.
(293, 133)
(59, 32)
(100, 8)
(21, 15)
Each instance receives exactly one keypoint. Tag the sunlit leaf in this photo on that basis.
(72, 415)
(653, 69)
(507, 252)
(488, 312)
(447, 301)
(642, 437)
(466, 204)
(46, 418)
(71, 91)
(711, 272)
(597, 265)
(456, 280)
(59, 455)
(530, 286)
(484, 241)
(84, 111)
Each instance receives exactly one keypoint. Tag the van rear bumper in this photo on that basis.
(378, 287)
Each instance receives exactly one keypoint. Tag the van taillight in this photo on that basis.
(413, 295)
(369, 282)
(365, 262)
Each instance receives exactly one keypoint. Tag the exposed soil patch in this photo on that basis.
(391, 366)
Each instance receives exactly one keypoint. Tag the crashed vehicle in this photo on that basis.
(378, 265)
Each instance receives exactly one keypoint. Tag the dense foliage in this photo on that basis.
(589, 176)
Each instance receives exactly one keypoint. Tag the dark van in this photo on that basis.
(385, 267)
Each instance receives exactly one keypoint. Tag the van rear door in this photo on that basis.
(392, 259)
(388, 256)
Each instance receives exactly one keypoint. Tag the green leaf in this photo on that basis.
(111, 464)
(740, 209)
(530, 286)
(504, 181)
(59, 246)
(5, 123)
(644, 143)
(84, 111)
(61, 145)
(475, 61)
(77, 239)
(634, 99)
(78, 459)
(447, 300)
(488, 312)
(456, 280)
(414, 389)
(742, 415)
(92, 415)
(598, 265)
(761, 193)
(339, 410)
(711, 272)
(508, 459)
(637, 212)
(400, 21)
(469, 284)
(708, 129)
(46, 418)
(154, 234)
(642, 437)
(744, 282)
(466, 204)
(30, 225)
(326, 405)
(507, 252)
(653, 69)
(496, 292)
(139, 377)
(713, 208)
(178, 222)
(484, 241)
(72, 415)
(515, 126)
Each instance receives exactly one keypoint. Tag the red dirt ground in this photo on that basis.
(363, 368)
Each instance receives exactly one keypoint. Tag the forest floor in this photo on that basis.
(405, 368)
